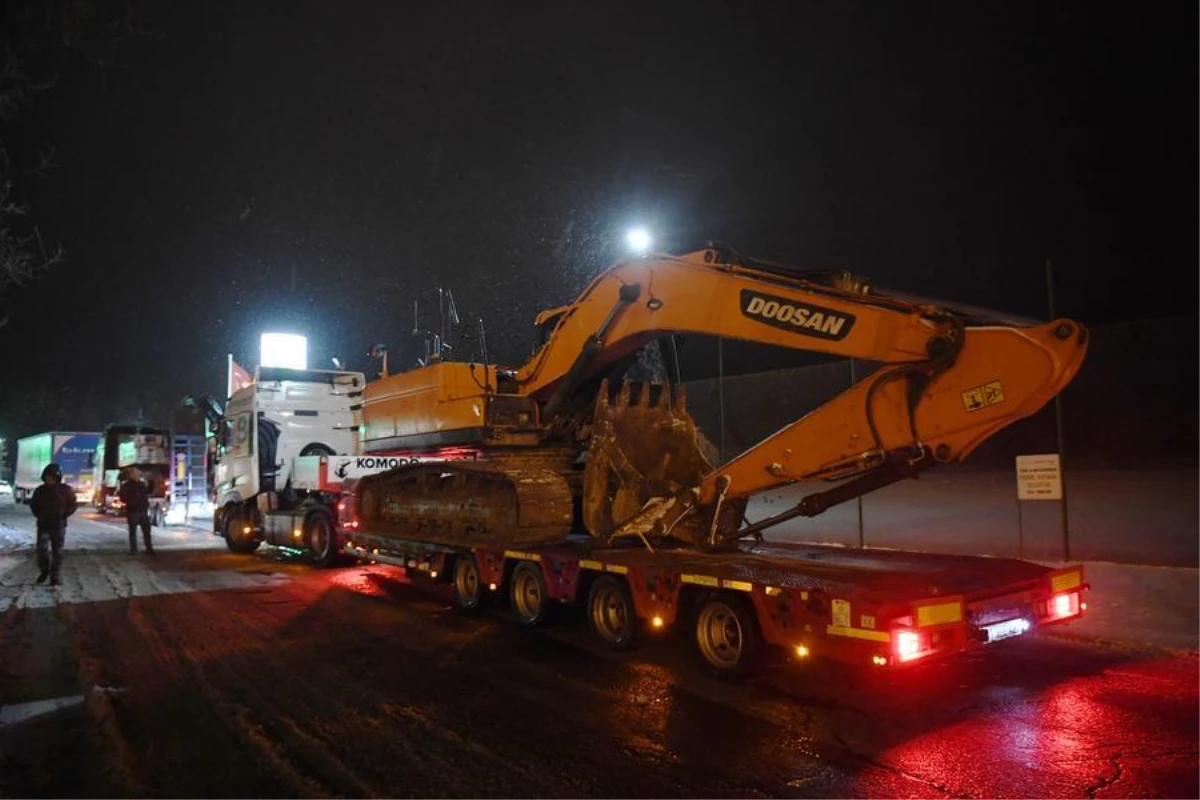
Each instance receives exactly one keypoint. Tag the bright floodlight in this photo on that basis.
(638, 240)
(283, 350)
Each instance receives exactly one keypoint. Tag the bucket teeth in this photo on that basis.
(624, 395)
(664, 397)
(643, 446)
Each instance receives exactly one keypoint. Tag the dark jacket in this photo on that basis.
(52, 504)
(135, 496)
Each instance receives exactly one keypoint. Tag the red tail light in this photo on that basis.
(1063, 605)
(908, 644)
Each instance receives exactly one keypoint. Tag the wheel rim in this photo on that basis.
(527, 594)
(319, 537)
(466, 583)
(719, 634)
(610, 614)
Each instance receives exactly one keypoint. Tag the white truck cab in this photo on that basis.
(283, 414)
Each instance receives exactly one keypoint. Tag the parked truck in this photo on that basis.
(74, 451)
(561, 483)
(189, 490)
(123, 448)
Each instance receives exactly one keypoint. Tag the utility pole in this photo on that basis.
(858, 500)
(1058, 426)
(721, 394)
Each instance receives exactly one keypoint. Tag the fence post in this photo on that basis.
(858, 500)
(1058, 427)
(721, 395)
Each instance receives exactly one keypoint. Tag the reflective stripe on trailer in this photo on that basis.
(601, 567)
(858, 633)
(709, 580)
(519, 554)
(1063, 581)
(939, 613)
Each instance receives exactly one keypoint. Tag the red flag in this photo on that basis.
(238, 376)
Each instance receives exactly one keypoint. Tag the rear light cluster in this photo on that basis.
(1063, 605)
(908, 644)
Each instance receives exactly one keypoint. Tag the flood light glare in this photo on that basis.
(283, 350)
(638, 240)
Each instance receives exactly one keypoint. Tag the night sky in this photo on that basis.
(315, 167)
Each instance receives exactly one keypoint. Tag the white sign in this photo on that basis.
(1039, 477)
(351, 467)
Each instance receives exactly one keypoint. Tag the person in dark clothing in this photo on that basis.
(136, 497)
(52, 503)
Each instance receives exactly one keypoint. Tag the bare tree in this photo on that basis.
(39, 40)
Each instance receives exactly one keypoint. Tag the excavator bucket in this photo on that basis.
(644, 448)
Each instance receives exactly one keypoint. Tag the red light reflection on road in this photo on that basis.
(367, 581)
(1049, 742)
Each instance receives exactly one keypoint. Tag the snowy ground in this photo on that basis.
(98, 566)
(87, 530)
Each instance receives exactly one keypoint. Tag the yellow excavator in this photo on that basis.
(564, 444)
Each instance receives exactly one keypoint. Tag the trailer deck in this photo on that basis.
(882, 607)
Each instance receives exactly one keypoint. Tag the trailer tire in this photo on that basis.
(320, 538)
(611, 612)
(727, 637)
(528, 595)
(468, 585)
(232, 526)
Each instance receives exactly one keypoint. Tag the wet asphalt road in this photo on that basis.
(206, 674)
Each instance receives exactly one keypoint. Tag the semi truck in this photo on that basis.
(563, 484)
(126, 447)
(74, 451)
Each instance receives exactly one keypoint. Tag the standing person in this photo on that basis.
(52, 503)
(136, 497)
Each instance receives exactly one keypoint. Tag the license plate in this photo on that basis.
(1006, 629)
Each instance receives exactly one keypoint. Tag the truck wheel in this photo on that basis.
(527, 592)
(468, 586)
(236, 537)
(321, 538)
(610, 608)
(727, 636)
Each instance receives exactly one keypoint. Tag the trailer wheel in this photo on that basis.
(234, 524)
(527, 591)
(727, 636)
(610, 608)
(320, 538)
(468, 586)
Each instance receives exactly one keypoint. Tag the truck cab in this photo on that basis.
(285, 418)
(283, 414)
(125, 447)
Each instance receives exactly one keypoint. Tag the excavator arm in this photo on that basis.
(947, 383)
